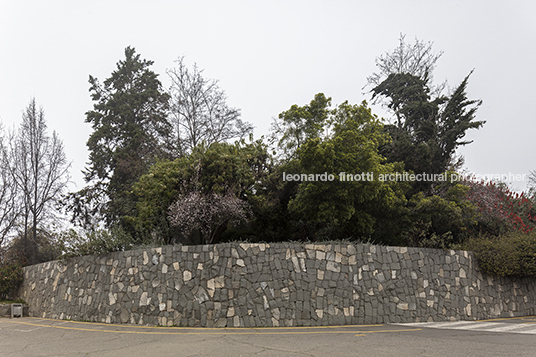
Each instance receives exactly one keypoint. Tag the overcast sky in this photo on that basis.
(270, 55)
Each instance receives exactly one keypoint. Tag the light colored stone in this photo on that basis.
(402, 306)
(276, 313)
(294, 260)
(230, 311)
(145, 258)
(143, 299)
(320, 255)
(334, 267)
(302, 264)
(112, 298)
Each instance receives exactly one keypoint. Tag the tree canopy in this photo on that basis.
(130, 129)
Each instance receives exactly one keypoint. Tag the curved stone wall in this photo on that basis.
(281, 284)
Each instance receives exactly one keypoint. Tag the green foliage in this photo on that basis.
(440, 220)
(272, 221)
(428, 130)
(10, 279)
(130, 129)
(221, 169)
(299, 124)
(73, 243)
(511, 254)
(352, 149)
(155, 192)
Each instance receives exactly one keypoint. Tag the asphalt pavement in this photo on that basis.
(47, 337)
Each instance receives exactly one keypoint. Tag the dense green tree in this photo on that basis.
(428, 130)
(349, 198)
(442, 219)
(223, 169)
(427, 125)
(130, 129)
(299, 124)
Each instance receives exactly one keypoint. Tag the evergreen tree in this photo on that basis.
(428, 126)
(130, 129)
(428, 130)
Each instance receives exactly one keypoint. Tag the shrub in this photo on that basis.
(10, 279)
(440, 220)
(512, 254)
(500, 209)
(209, 214)
(101, 241)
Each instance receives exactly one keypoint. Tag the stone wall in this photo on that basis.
(282, 284)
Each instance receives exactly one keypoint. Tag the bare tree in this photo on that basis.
(9, 208)
(417, 59)
(199, 110)
(532, 184)
(41, 172)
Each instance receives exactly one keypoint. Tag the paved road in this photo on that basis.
(44, 337)
(525, 325)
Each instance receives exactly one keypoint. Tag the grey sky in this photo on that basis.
(270, 55)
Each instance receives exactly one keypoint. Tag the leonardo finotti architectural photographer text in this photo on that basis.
(403, 176)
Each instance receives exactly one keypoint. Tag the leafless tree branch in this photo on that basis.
(199, 110)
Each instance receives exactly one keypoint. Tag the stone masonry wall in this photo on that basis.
(282, 284)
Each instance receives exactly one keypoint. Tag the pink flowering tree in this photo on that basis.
(207, 215)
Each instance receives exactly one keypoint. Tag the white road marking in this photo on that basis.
(495, 326)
